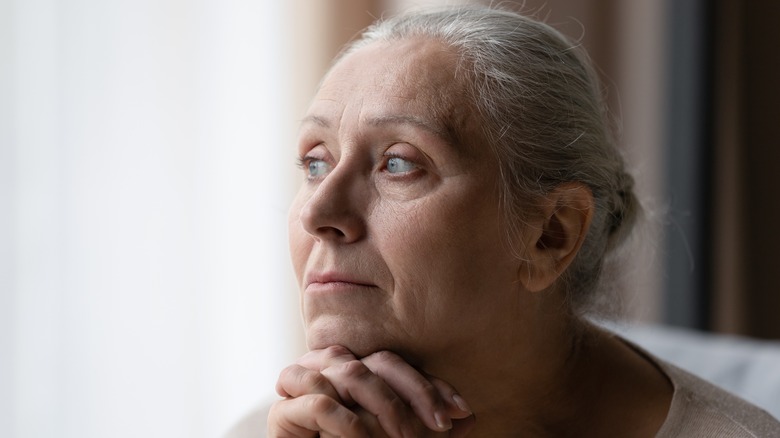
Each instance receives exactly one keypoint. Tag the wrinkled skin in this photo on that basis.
(384, 246)
(415, 309)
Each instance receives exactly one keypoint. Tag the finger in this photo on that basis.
(460, 430)
(295, 381)
(337, 356)
(355, 383)
(456, 405)
(312, 414)
(463, 419)
(463, 426)
(368, 419)
(414, 388)
(326, 357)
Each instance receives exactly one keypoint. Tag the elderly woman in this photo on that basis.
(461, 194)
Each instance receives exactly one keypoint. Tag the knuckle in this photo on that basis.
(287, 372)
(309, 355)
(286, 381)
(310, 379)
(385, 356)
(353, 369)
(356, 423)
(320, 404)
(397, 407)
(300, 379)
(350, 424)
(336, 351)
(427, 396)
(428, 390)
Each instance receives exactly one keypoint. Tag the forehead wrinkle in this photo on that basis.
(319, 117)
(443, 97)
(317, 120)
(428, 86)
(403, 119)
(435, 106)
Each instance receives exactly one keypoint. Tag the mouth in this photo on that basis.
(334, 282)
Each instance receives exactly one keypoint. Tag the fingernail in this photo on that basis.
(460, 403)
(443, 421)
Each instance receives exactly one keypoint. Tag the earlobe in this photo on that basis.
(553, 240)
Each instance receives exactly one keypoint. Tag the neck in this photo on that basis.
(516, 378)
(563, 376)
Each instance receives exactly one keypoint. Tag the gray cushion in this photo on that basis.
(747, 367)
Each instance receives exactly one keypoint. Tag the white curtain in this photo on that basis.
(146, 153)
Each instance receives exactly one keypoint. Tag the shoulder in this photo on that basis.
(701, 409)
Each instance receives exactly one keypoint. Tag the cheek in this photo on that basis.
(299, 241)
(447, 253)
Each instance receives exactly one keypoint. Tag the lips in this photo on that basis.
(333, 279)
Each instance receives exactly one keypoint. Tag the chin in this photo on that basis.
(362, 339)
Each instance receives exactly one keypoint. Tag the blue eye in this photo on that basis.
(399, 165)
(317, 168)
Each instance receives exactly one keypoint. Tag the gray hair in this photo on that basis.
(542, 111)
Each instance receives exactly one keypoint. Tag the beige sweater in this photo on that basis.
(699, 409)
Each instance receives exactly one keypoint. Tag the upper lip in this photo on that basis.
(335, 277)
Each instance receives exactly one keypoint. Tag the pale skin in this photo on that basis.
(420, 319)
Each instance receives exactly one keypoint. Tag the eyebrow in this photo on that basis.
(409, 120)
(316, 120)
(392, 119)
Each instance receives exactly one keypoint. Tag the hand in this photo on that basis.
(332, 393)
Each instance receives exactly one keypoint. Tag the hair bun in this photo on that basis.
(623, 212)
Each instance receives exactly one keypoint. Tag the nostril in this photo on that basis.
(326, 221)
(345, 228)
(331, 231)
(335, 210)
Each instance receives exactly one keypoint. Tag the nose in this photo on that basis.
(335, 210)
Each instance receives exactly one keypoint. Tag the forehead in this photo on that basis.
(407, 66)
(411, 79)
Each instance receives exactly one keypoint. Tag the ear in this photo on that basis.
(554, 238)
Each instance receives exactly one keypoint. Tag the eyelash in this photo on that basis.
(303, 162)
(389, 156)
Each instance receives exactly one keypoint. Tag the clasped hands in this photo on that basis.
(332, 393)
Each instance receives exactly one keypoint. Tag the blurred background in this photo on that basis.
(147, 162)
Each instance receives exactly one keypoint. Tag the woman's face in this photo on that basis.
(396, 233)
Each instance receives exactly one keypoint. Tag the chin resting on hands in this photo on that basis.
(330, 392)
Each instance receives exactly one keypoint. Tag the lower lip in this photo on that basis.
(336, 287)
